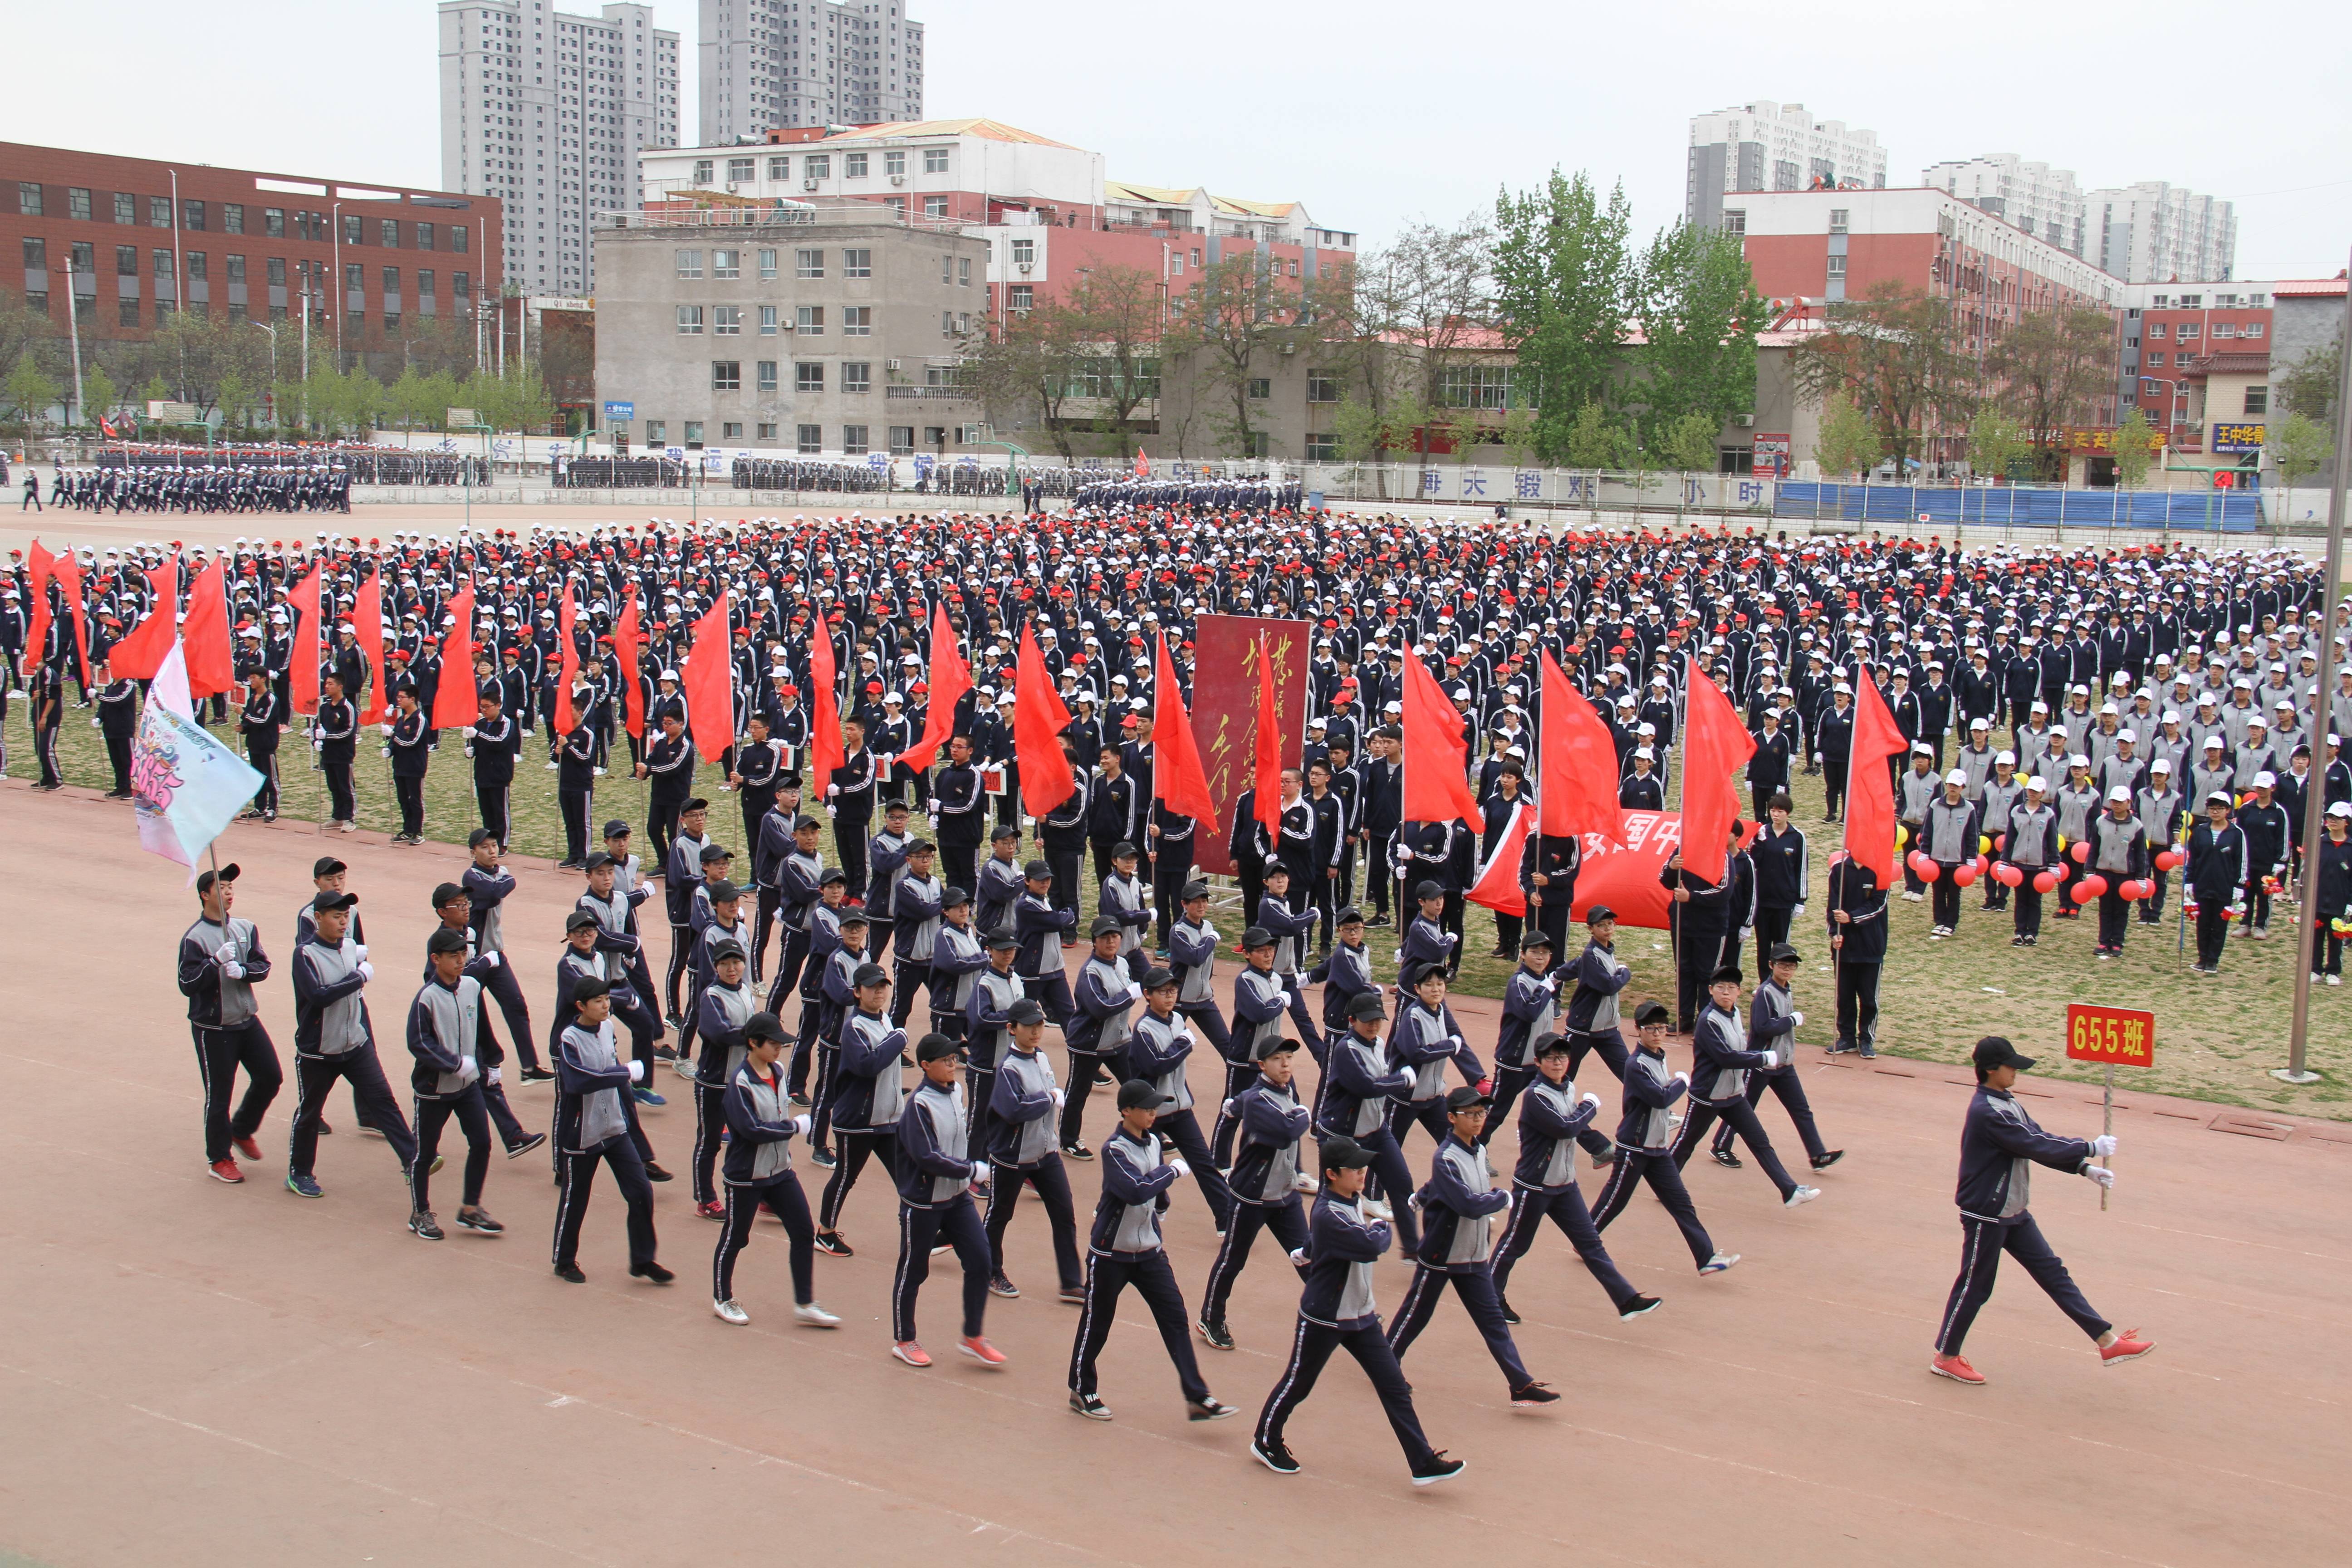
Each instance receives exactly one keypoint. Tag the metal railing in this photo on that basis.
(774, 215)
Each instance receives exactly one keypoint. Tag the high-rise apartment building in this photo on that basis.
(1767, 146)
(770, 63)
(2044, 202)
(2153, 231)
(547, 112)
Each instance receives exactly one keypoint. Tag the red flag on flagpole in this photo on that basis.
(205, 639)
(457, 700)
(824, 749)
(1143, 464)
(1269, 748)
(367, 623)
(1497, 885)
(139, 653)
(36, 635)
(1177, 776)
(1038, 721)
(309, 644)
(1578, 764)
(1870, 788)
(567, 657)
(1436, 758)
(707, 679)
(1715, 746)
(627, 641)
(951, 678)
(68, 578)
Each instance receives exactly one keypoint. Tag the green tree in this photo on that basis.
(1698, 312)
(2308, 387)
(234, 394)
(99, 394)
(30, 390)
(1426, 298)
(1995, 441)
(24, 330)
(1848, 442)
(1686, 443)
(1595, 440)
(1895, 354)
(2136, 445)
(2051, 367)
(1024, 371)
(2300, 447)
(1563, 297)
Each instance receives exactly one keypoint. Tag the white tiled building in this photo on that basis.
(2044, 202)
(769, 63)
(2153, 231)
(1768, 146)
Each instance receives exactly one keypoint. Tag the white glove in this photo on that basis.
(1226, 1109)
(1299, 1253)
(492, 958)
(365, 969)
(1772, 1058)
(233, 969)
(1593, 1099)
(1060, 1098)
(469, 751)
(831, 790)
(359, 952)
(1798, 913)
(1796, 1018)
(467, 731)
(318, 744)
(2103, 1147)
(935, 822)
(491, 1078)
(1817, 756)
(1682, 1077)
(1305, 1183)
(469, 1067)
(802, 1123)
(980, 1172)
(1457, 1039)
(2103, 1174)
(1181, 1169)
(1211, 931)
(637, 1072)
(385, 730)
(384, 751)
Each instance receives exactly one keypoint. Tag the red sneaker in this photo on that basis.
(911, 1353)
(1956, 1368)
(714, 1209)
(227, 1171)
(2128, 1346)
(981, 1351)
(249, 1148)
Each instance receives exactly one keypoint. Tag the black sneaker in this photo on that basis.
(1533, 1396)
(518, 1151)
(1274, 1456)
(830, 1242)
(651, 1271)
(1869, 1052)
(1724, 1158)
(1824, 1161)
(1078, 1151)
(998, 1285)
(1210, 1410)
(1440, 1468)
(656, 1173)
(536, 1075)
(1376, 923)
(1510, 1313)
(1216, 1336)
(825, 1157)
(1639, 1306)
(481, 1222)
(421, 1224)
(666, 1053)
(570, 1274)
(1087, 1405)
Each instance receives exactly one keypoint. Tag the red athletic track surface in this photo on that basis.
(199, 1374)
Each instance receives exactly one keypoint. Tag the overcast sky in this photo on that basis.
(1374, 111)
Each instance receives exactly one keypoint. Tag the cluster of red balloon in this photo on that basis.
(1964, 875)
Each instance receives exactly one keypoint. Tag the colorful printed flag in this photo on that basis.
(186, 786)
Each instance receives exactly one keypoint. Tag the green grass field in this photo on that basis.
(2215, 1039)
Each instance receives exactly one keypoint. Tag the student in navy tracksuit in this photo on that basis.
(1772, 1020)
(1124, 1250)
(592, 1127)
(2000, 1146)
(1192, 944)
(1426, 941)
(1592, 1020)
(1366, 1081)
(1345, 973)
(761, 1127)
(487, 887)
(936, 1173)
(1458, 1204)
(986, 1014)
(837, 995)
(1265, 1182)
(1718, 1084)
(1543, 1184)
(681, 875)
(1157, 1050)
(1042, 928)
(867, 1095)
(1022, 1150)
(724, 1009)
(1645, 1141)
(1289, 931)
(796, 880)
(445, 1030)
(823, 942)
(220, 960)
(1336, 1309)
(1530, 1003)
(334, 1038)
(1426, 1036)
(455, 907)
(1097, 1027)
(1260, 1000)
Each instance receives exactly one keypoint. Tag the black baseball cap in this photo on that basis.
(480, 837)
(449, 893)
(1037, 871)
(1598, 912)
(1783, 953)
(1350, 916)
(1651, 1013)
(953, 897)
(616, 828)
(1275, 1046)
(588, 990)
(228, 873)
(579, 919)
(870, 975)
(1366, 1004)
(1155, 977)
(1138, 1094)
(1535, 941)
(720, 890)
(1257, 936)
(327, 866)
(1002, 938)
(326, 901)
(1342, 1155)
(1194, 890)
(599, 858)
(696, 804)
(852, 918)
(1105, 925)
(1726, 974)
(1552, 1045)
(1993, 1051)
(1004, 830)
(1464, 1099)
(764, 1026)
(1122, 850)
(1424, 891)
(1028, 1010)
(934, 1047)
(833, 876)
(444, 941)
(716, 852)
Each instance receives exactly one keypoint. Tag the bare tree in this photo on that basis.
(1428, 297)
(2051, 367)
(1896, 355)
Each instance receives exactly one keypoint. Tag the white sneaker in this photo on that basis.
(1801, 1195)
(814, 1317)
(728, 1312)
(1914, 898)
(1378, 1210)
(2335, 979)
(1719, 1263)
(599, 773)
(684, 1069)
(554, 767)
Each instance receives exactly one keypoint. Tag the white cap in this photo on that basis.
(1978, 724)
(2008, 757)
(1644, 751)
(2132, 735)
(2214, 742)
(666, 675)
(2038, 707)
(2341, 808)
(2159, 766)
(2120, 793)
(2078, 761)
(2037, 782)
(1956, 777)
(2266, 779)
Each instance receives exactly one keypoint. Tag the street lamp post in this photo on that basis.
(73, 330)
(266, 327)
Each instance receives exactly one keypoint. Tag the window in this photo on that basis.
(656, 432)
(2258, 400)
(935, 160)
(741, 171)
(1476, 386)
(1019, 297)
(355, 229)
(276, 270)
(816, 167)
(767, 369)
(424, 236)
(935, 207)
(2225, 329)
(767, 320)
(2188, 330)
(2159, 302)
(159, 211)
(730, 431)
(28, 197)
(126, 208)
(808, 320)
(1024, 253)
(126, 312)
(388, 233)
(37, 256)
(2254, 329)
(963, 323)
(726, 375)
(77, 202)
(963, 271)
(2256, 302)
(2192, 301)
(727, 263)
(461, 284)
(808, 263)
(811, 440)
(689, 319)
(197, 273)
(1322, 448)
(947, 270)
(780, 168)
(1322, 386)
(856, 376)
(1261, 387)
(126, 261)
(808, 376)
(947, 323)
(853, 440)
(425, 283)
(2157, 329)
(767, 432)
(458, 237)
(354, 275)
(857, 263)
(703, 169)
(1838, 219)
(853, 165)
(689, 264)
(902, 440)
(2156, 360)
(1735, 220)
(767, 264)
(232, 217)
(2225, 301)
(856, 322)
(237, 273)
(894, 163)
(694, 433)
(163, 268)
(1837, 266)
(391, 281)
(726, 321)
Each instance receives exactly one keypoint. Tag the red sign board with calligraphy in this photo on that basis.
(1626, 879)
(1224, 710)
(2115, 1036)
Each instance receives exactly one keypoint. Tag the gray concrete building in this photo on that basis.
(769, 63)
(832, 331)
(2154, 232)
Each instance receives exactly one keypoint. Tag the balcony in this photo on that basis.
(931, 394)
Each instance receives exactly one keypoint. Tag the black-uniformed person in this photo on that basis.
(1857, 932)
(335, 736)
(258, 722)
(117, 721)
(492, 741)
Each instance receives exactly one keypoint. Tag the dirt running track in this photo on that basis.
(199, 1374)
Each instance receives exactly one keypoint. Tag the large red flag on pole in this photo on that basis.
(1038, 721)
(1270, 749)
(1715, 746)
(205, 637)
(1177, 776)
(1436, 758)
(367, 623)
(1497, 885)
(1870, 787)
(43, 567)
(139, 653)
(951, 678)
(567, 657)
(825, 710)
(627, 641)
(707, 679)
(310, 643)
(69, 576)
(457, 700)
(1577, 763)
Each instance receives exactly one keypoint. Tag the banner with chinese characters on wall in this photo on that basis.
(1504, 487)
(1224, 711)
(1626, 879)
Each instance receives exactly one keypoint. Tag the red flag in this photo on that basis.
(825, 712)
(626, 642)
(367, 621)
(1497, 887)
(204, 636)
(1038, 721)
(1177, 776)
(1436, 758)
(1143, 464)
(36, 635)
(1269, 748)
(707, 679)
(567, 657)
(1870, 788)
(139, 652)
(951, 678)
(69, 579)
(1715, 746)
(458, 700)
(309, 644)
(1578, 764)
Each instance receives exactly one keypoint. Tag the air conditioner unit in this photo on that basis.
(808, 184)
(1289, 348)
(892, 366)
(1745, 421)
(898, 179)
(1022, 267)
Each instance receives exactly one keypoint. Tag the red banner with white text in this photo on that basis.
(1224, 709)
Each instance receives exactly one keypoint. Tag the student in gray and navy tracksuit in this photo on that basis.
(1157, 1052)
(1125, 1249)
(1772, 1020)
(1345, 973)
(1366, 1081)
(220, 960)
(334, 1038)
(869, 1093)
(759, 1174)
(1192, 958)
(725, 1008)
(1260, 999)
(446, 1031)
(1544, 1182)
(1265, 1180)
(591, 1126)
(1024, 1100)
(1458, 1205)
(1424, 1038)
(1592, 1021)
(1097, 1027)
(1645, 1141)
(936, 1175)
(1530, 1003)
(986, 1022)
(1336, 1309)
(958, 955)
(1719, 1085)
(2000, 1146)
(451, 902)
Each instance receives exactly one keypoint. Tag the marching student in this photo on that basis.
(1458, 1204)
(487, 884)
(703, 928)
(587, 955)
(334, 1038)
(1126, 898)
(1043, 928)
(681, 875)
(1426, 939)
(723, 1012)
(1192, 943)
(886, 862)
(220, 960)
(444, 1035)
(824, 918)
(1003, 879)
(592, 1127)
(258, 722)
(1289, 929)
(1772, 1020)
(1530, 1002)
(615, 916)
(936, 1175)
(983, 1030)
(1345, 973)
(1125, 1249)
(836, 997)
(1543, 1183)
(1645, 1143)
(867, 1096)
(957, 955)
(915, 914)
(1022, 1147)
(1336, 1308)
(1592, 1021)
(1156, 1053)
(1426, 1036)
(1721, 1061)
(454, 905)
(575, 783)
(791, 889)
(1260, 999)
(2000, 1146)
(758, 1173)
(1355, 1100)
(1265, 1181)
(327, 875)
(1096, 1031)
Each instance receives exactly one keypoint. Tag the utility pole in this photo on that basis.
(73, 331)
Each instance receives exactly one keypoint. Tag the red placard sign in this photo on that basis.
(2116, 1037)
(1224, 709)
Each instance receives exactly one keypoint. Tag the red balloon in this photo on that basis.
(1964, 876)
(2167, 859)
(2079, 852)
(2000, 840)
(1929, 870)
(2089, 888)
(2043, 881)
(2007, 875)
(2132, 890)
